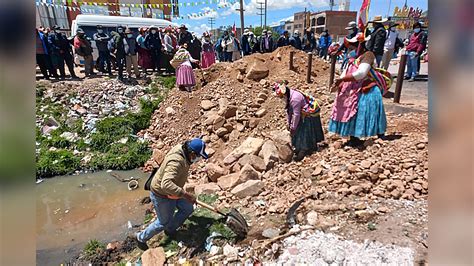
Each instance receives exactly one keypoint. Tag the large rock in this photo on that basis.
(214, 171)
(281, 137)
(228, 111)
(285, 153)
(248, 173)
(229, 181)
(207, 105)
(269, 153)
(208, 188)
(154, 257)
(222, 131)
(257, 71)
(249, 146)
(247, 189)
(255, 161)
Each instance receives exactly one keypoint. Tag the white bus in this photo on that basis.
(89, 23)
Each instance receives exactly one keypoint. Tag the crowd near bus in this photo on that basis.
(129, 53)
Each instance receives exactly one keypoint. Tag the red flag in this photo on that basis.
(234, 30)
(363, 15)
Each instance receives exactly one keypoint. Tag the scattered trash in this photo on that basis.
(39, 181)
(129, 225)
(109, 171)
(290, 216)
(66, 211)
(132, 185)
(259, 203)
(209, 240)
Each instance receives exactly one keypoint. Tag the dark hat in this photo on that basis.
(418, 25)
(199, 147)
(99, 26)
(183, 27)
(285, 32)
(120, 27)
(56, 27)
(80, 30)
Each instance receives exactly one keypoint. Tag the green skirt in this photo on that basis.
(308, 134)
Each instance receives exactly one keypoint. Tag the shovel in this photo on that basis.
(234, 220)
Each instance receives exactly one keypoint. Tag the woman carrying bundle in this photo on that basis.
(185, 78)
(358, 109)
(303, 118)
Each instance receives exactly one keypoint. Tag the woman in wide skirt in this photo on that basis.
(185, 78)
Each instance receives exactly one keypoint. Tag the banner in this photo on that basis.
(364, 15)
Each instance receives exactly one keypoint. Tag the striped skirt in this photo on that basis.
(185, 76)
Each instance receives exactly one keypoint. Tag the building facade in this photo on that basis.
(301, 21)
(289, 26)
(334, 21)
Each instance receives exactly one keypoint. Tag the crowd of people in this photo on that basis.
(160, 50)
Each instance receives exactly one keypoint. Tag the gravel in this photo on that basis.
(319, 248)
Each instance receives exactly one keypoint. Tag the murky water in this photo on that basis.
(71, 210)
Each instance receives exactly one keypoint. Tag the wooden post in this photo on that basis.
(401, 74)
(310, 64)
(332, 70)
(292, 54)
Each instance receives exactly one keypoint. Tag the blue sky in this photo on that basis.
(277, 10)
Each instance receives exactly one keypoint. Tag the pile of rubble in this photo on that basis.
(250, 167)
(244, 126)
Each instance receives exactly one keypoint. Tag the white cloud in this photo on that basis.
(252, 7)
(200, 29)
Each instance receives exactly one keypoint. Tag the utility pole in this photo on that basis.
(260, 13)
(389, 6)
(304, 21)
(241, 9)
(331, 4)
(212, 22)
(265, 14)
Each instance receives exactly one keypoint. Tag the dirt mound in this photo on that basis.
(230, 107)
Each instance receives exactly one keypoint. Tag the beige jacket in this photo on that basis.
(173, 173)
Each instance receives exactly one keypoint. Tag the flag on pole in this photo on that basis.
(234, 29)
(364, 15)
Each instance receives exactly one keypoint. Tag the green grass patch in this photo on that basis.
(222, 229)
(93, 247)
(147, 218)
(208, 198)
(122, 156)
(168, 82)
(58, 162)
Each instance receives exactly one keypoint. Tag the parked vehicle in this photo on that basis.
(89, 23)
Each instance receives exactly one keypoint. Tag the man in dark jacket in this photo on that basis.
(283, 40)
(101, 39)
(351, 33)
(61, 52)
(245, 43)
(195, 50)
(377, 38)
(153, 43)
(118, 48)
(185, 35)
(295, 41)
(309, 42)
(266, 42)
(43, 55)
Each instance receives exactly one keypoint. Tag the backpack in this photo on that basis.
(313, 107)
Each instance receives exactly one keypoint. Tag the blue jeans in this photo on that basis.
(166, 218)
(323, 52)
(412, 64)
(378, 59)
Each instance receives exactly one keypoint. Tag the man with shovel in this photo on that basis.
(167, 193)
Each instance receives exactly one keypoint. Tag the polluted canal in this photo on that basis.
(71, 210)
